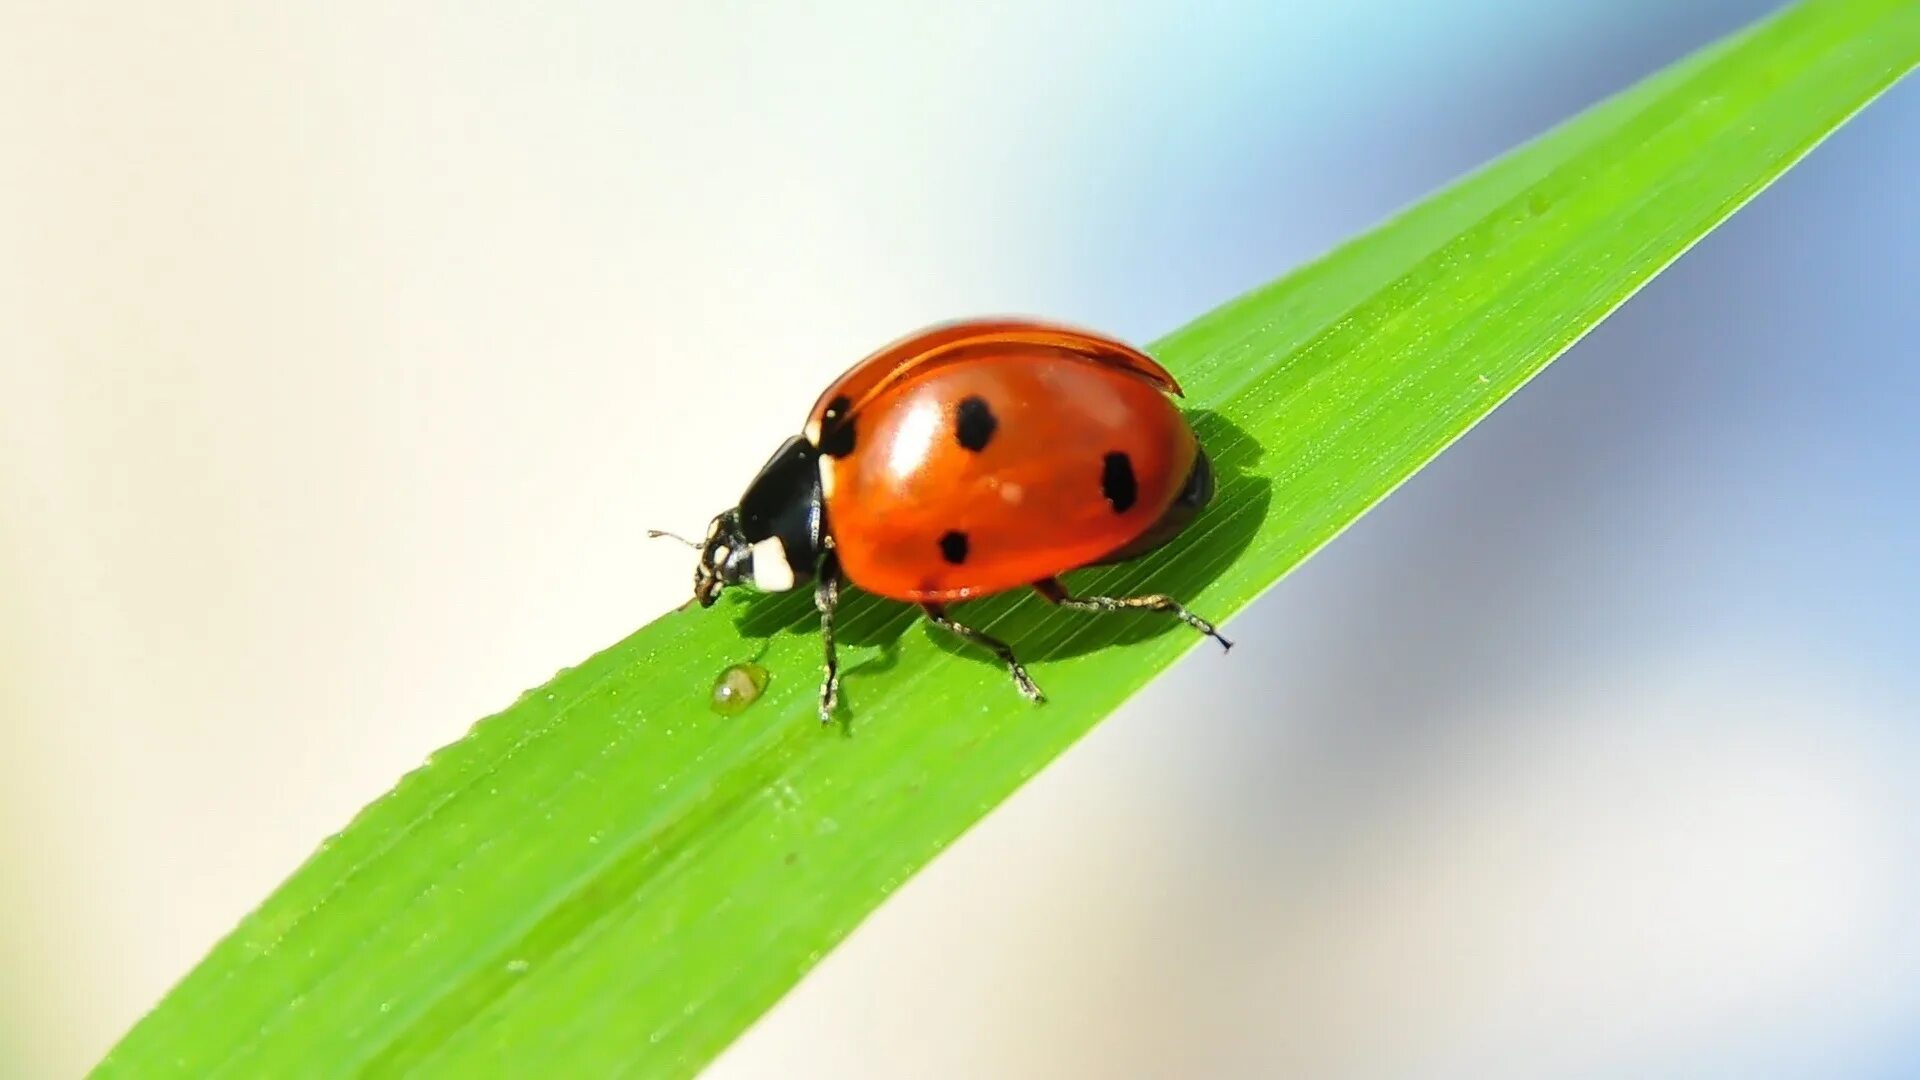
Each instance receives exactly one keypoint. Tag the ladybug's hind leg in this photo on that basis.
(939, 617)
(1057, 593)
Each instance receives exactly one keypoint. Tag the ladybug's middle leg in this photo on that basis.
(826, 597)
(939, 617)
(1057, 593)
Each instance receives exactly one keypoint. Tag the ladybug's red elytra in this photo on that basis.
(969, 459)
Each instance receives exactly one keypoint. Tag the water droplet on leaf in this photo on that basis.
(738, 687)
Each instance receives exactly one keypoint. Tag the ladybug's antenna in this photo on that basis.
(657, 534)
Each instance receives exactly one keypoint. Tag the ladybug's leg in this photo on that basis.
(1057, 593)
(999, 648)
(826, 597)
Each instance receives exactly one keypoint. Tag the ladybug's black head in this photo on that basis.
(772, 539)
(725, 559)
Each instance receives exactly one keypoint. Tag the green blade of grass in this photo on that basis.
(608, 877)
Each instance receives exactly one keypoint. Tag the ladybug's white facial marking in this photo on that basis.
(826, 477)
(771, 570)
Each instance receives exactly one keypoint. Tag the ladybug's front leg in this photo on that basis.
(826, 597)
(999, 648)
(1057, 593)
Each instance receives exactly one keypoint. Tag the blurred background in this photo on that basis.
(346, 352)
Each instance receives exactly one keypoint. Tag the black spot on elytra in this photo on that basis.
(836, 429)
(974, 424)
(1117, 482)
(953, 546)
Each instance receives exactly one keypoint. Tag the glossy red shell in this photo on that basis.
(1083, 453)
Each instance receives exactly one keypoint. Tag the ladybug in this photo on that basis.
(969, 459)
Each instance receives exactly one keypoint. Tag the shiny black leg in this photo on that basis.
(1057, 593)
(938, 615)
(826, 597)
